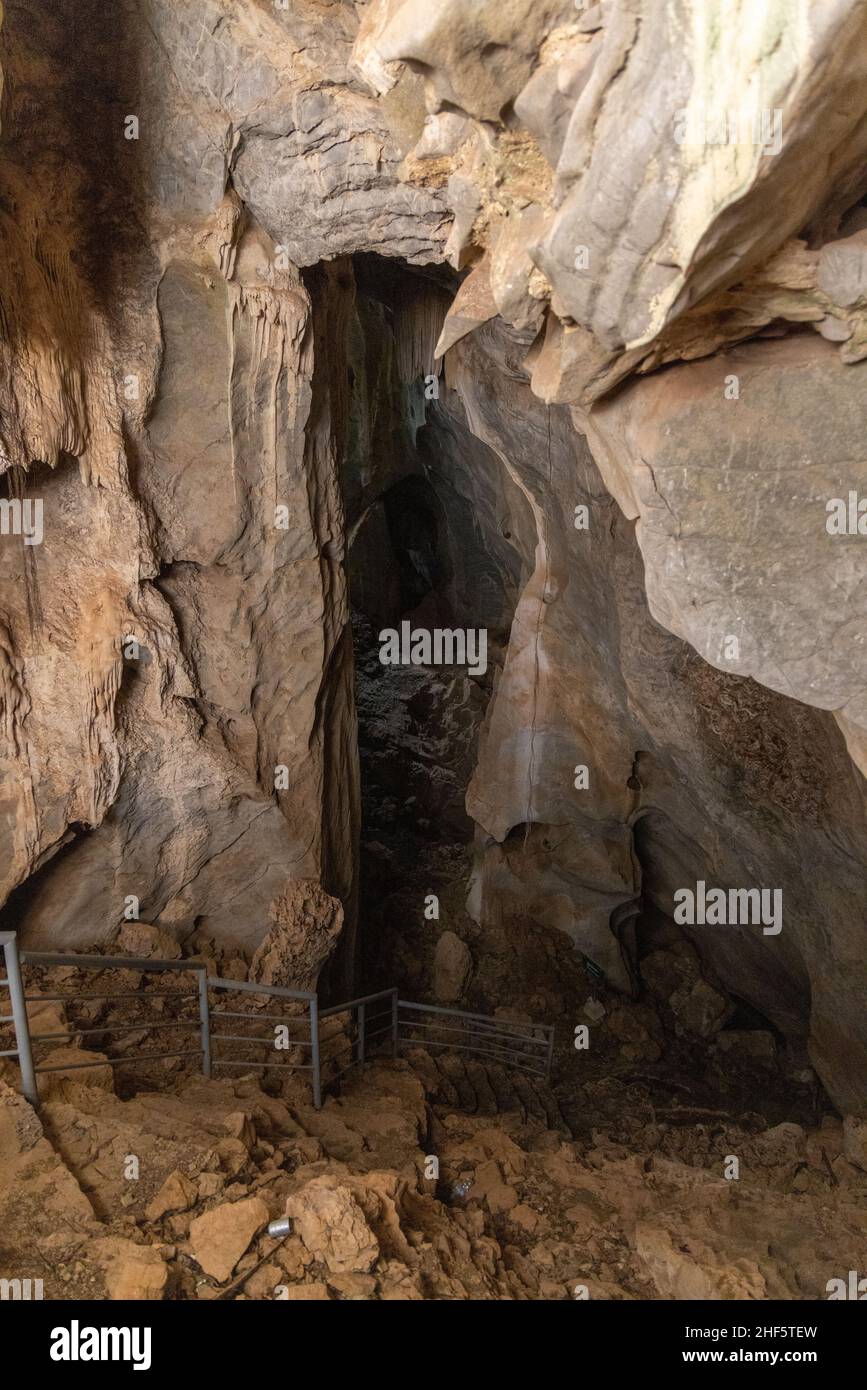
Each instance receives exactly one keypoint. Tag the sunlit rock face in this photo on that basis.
(621, 355)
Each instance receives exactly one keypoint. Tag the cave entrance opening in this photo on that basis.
(432, 584)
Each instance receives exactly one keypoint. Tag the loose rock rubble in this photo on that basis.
(396, 309)
(392, 1194)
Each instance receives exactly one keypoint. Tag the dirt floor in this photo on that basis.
(651, 1168)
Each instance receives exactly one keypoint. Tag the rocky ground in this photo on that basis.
(436, 1179)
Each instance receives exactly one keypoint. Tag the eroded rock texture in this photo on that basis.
(535, 317)
(670, 179)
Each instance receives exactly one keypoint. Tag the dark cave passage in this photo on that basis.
(417, 556)
(424, 553)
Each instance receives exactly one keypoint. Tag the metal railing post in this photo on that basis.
(394, 1021)
(360, 1037)
(19, 1014)
(550, 1058)
(314, 1054)
(205, 1018)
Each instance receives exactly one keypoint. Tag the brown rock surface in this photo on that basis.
(532, 1214)
(219, 1238)
(515, 318)
(176, 1194)
(333, 1227)
(132, 1272)
(452, 968)
(78, 1065)
(306, 922)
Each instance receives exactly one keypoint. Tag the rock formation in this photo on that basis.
(531, 317)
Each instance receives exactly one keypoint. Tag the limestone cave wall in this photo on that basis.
(319, 315)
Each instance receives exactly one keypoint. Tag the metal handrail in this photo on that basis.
(486, 1033)
(496, 1033)
(360, 1036)
(353, 1003)
(471, 1040)
(105, 962)
(121, 994)
(24, 1039)
(305, 996)
(254, 1038)
(496, 1054)
(149, 1025)
(485, 1028)
(13, 983)
(482, 1018)
(268, 1021)
(251, 987)
(119, 1061)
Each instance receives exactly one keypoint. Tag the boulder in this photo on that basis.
(855, 1141)
(333, 1226)
(177, 1193)
(136, 1273)
(784, 1143)
(453, 966)
(489, 1187)
(147, 942)
(306, 922)
(219, 1238)
(71, 1061)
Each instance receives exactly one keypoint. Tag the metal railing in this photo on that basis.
(25, 1039)
(366, 1026)
(18, 1017)
(283, 1042)
(525, 1046)
(371, 1021)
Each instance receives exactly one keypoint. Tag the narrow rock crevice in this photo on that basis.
(431, 557)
